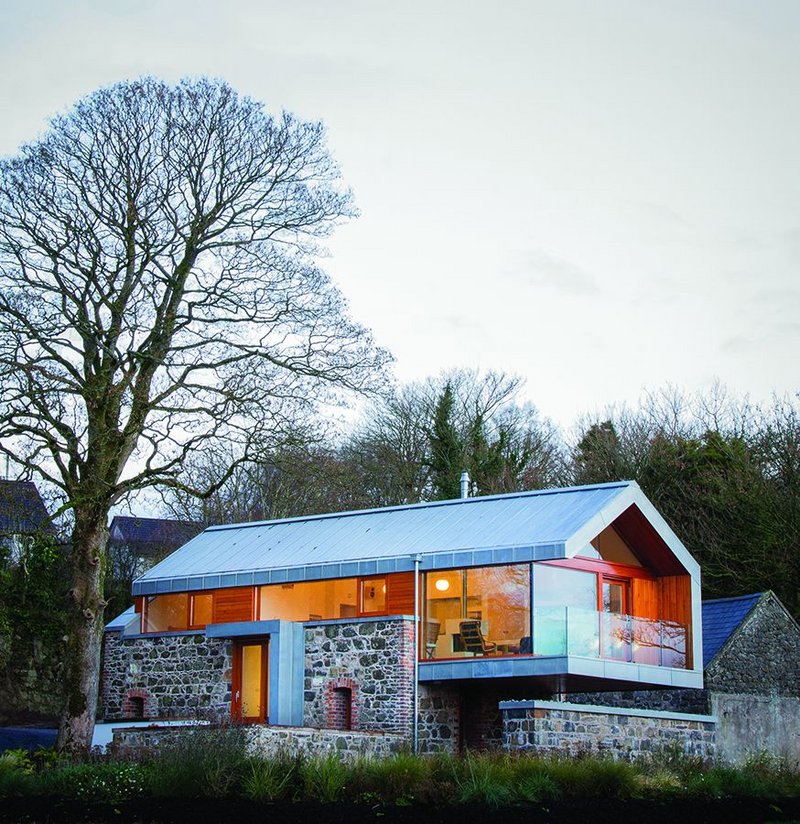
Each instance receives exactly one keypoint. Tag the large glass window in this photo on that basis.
(165, 613)
(477, 611)
(565, 611)
(310, 600)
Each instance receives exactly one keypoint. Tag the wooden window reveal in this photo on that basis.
(231, 605)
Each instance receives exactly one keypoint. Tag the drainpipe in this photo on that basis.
(415, 720)
(465, 484)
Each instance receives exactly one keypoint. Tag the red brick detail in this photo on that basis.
(138, 704)
(341, 702)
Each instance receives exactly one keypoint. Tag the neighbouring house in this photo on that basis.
(135, 544)
(751, 657)
(30, 664)
(23, 514)
(450, 624)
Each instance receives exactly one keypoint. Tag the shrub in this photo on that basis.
(16, 770)
(108, 781)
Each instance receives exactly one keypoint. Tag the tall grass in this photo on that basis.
(213, 763)
(273, 779)
(200, 762)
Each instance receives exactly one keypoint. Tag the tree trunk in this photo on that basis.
(84, 634)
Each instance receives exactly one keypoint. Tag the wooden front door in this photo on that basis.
(249, 683)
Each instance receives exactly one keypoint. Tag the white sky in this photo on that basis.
(599, 196)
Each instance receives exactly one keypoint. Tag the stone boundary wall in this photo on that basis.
(750, 724)
(624, 733)
(374, 659)
(182, 675)
(268, 741)
(347, 744)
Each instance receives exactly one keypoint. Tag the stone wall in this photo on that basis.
(32, 682)
(373, 660)
(750, 724)
(166, 676)
(439, 718)
(266, 741)
(666, 700)
(624, 733)
(762, 657)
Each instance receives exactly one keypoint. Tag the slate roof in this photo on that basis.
(721, 618)
(22, 511)
(150, 535)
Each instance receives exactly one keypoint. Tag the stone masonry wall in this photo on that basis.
(166, 676)
(762, 658)
(577, 729)
(267, 741)
(32, 682)
(667, 700)
(374, 660)
(439, 718)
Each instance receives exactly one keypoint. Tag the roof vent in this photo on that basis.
(465, 484)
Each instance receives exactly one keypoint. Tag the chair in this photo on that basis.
(472, 639)
(431, 637)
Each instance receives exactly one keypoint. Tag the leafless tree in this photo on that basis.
(158, 290)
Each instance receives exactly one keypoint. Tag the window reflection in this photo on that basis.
(166, 613)
(477, 611)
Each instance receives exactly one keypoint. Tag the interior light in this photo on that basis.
(383, 589)
(442, 584)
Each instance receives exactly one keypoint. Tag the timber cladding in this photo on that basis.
(400, 593)
(234, 604)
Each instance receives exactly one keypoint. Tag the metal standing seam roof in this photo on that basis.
(490, 529)
(721, 618)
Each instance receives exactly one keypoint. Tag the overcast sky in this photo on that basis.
(599, 196)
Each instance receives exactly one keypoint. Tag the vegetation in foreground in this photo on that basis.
(210, 764)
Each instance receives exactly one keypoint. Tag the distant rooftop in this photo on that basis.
(721, 618)
(151, 535)
(22, 511)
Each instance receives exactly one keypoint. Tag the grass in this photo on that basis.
(215, 764)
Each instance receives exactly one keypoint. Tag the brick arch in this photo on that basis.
(138, 703)
(341, 703)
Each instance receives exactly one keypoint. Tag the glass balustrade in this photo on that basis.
(588, 633)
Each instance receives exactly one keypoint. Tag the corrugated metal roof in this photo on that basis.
(491, 529)
(721, 618)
